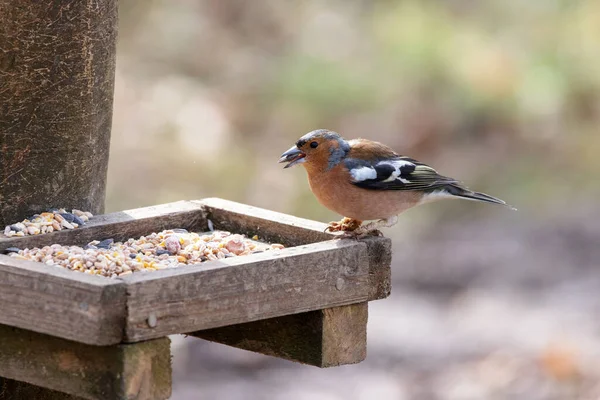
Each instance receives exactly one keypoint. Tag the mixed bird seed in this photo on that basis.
(47, 222)
(167, 249)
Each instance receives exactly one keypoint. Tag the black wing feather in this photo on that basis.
(411, 175)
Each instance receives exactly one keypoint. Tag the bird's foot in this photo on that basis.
(345, 225)
(372, 228)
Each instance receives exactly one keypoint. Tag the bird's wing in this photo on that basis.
(364, 149)
(397, 173)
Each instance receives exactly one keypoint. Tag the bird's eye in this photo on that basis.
(314, 144)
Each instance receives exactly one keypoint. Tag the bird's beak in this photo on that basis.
(293, 156)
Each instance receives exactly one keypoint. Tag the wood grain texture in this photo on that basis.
(136, 371)
(119, 226)
(72, 305)
(15, 390)
(236, 290)
(244, 289)
(269, 225)
(293, 231)
(57, 68)
(323, 338)
(379, 250)
(344, 334)
(80, 307)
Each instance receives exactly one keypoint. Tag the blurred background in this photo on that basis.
(504, 95)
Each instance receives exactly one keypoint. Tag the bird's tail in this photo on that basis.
(464, 193)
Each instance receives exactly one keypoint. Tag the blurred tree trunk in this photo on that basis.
(57, 65)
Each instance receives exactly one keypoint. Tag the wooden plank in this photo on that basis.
(323, 338)
(266, 336)
(269, 225)
(135, 371)
(379, 250)
(245, 289)
(85, 308)
(72, 305)
(119, 226)
(293, 231)
(91, 309)
(15, 390)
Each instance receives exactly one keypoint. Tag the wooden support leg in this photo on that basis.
(15, 390)
(130, 371)
(323, 338)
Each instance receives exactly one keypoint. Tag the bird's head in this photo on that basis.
(319, 149)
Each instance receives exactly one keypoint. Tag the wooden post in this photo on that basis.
(57, 65)
(127, 371)
(323, 338)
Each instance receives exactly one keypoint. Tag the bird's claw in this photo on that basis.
(352, 229)
(345, 225)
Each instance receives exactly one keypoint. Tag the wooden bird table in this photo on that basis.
(73, 335)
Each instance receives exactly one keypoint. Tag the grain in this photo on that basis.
(166, 249)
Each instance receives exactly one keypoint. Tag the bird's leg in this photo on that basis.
(370, 229)
(345, 225)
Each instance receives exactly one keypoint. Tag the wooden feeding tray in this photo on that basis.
(315, 289)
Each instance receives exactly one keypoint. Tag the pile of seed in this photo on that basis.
(53, 220)
(166, 249)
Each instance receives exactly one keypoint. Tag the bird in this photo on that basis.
(364, 180)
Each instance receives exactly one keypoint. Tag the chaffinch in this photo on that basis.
(366, 180)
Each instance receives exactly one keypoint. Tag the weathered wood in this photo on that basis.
(294, 231)
(57, 65)
(135, 371)
(85, 308)
(72, 305)
(268, 225)
(236, 290)
(244, 289)
(291, 231)
(323, 338)
(15, 390)
(379, 250)
(119, 226)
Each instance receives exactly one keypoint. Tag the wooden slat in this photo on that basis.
(119, 226)
(92, 309)
(136, 371)
(287, 336)
(72, 305)
(294, 231)
(245, 289)
(85, 308)
(268, 225)
(379, 250)
(15, 390)
(323, 338)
